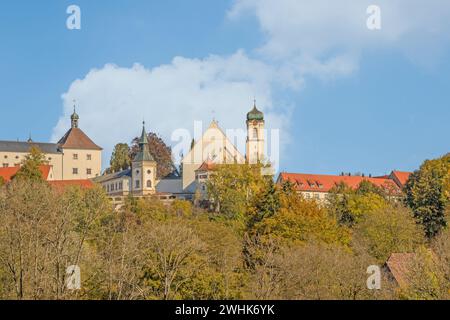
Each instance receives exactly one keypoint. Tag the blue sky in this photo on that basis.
(345, 98)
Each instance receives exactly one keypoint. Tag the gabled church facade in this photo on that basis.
(213, 148)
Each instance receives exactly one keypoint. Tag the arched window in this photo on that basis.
(149, 183)
(255, 133)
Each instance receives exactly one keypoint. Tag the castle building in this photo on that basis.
(74, 157)
(139, 180)
(214, 147)
(319, 186)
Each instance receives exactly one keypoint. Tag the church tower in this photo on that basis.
(255, 136)
(143, 168)
(74, 118)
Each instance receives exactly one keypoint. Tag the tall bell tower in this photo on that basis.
(255, 136)
(143, 168)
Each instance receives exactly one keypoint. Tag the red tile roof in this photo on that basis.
(324, 183)
(206, 166)
(399, 265)
(401, 176)
(75, 138)
(62, 184)
(8, 173)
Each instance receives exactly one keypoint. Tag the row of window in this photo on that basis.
(17, 157)
(118, 186)
(137, 184)
(6, 165)
(6, 157)
(315, 195)
(114, 187)
(88, 156)
(75, 171)
(74, 156)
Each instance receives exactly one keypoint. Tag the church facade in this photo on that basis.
(74, 157)
(214, 147)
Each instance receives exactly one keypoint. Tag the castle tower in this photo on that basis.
(74, 119)
(143, 168)
(255, 136)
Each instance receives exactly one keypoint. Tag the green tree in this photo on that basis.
(359, 205)
(266, 205)
(428, 195)
(233, 187)
(120, 159)
(30, 167)
(298, 221)
(349, 206)
(388, 230)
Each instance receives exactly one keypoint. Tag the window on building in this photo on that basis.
(203, 188)
(317, 196)
(137, 184)
(6, 157)
(75, 156)
(88, 171)
(50, 159)
(149, 183)
(149, 171)
(5, 165)
(75, 171)
(120, 185)
(17, 157)
(89, 157)
(255, 133)
(112, 187)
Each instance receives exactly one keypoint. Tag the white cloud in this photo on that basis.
(113, 101)
(317, 38)
(323, 29)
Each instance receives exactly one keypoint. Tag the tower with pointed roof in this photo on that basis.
(74, 118)
(255, 136)
(143, 168)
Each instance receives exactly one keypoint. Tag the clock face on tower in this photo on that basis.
(255, 122)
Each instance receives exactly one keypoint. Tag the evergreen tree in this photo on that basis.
(120, 159)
